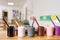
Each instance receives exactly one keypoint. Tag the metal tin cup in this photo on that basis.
(31, 31)
(10, 31)
(49, 31)
(57, 30)
(41, 31)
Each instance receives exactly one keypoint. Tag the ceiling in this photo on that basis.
(18, 3)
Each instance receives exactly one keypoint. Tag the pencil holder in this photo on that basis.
(57, 30)
(31, 31)
(49, 31)
(21, 31)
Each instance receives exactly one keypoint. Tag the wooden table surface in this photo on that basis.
(3, 36)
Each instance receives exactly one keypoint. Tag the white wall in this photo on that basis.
(46, 7)
(43, 7)
(9, 10)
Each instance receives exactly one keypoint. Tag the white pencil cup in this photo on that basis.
(49, 31)
(21, 31)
